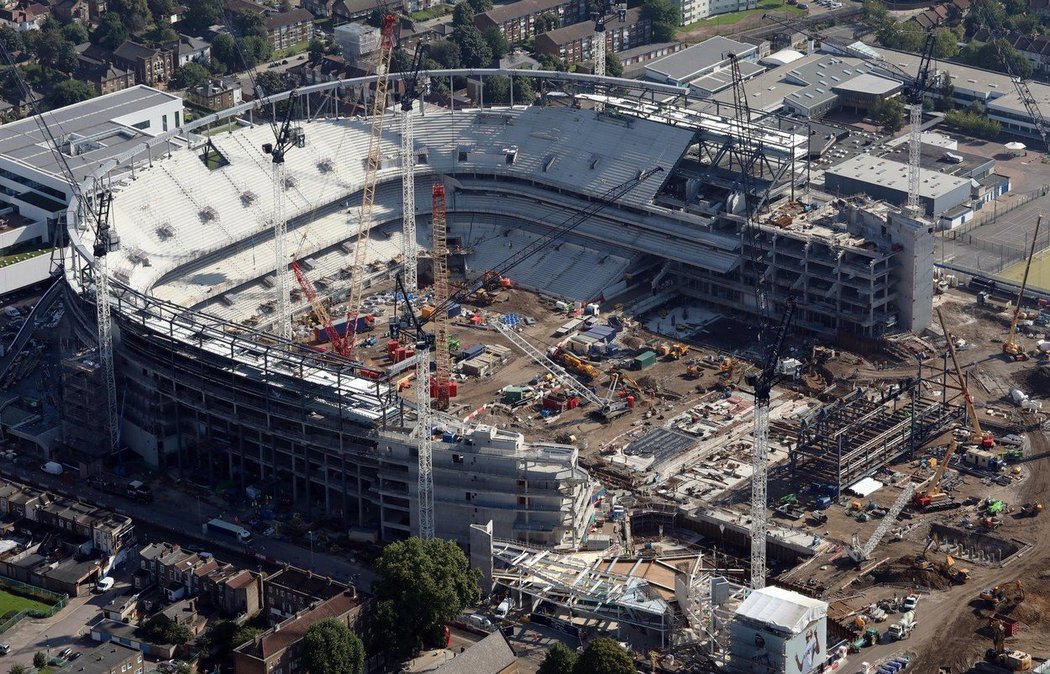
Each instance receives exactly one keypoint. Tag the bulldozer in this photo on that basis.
(1013, 660)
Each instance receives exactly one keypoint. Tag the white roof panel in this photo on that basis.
(782, 608)
(865, 487)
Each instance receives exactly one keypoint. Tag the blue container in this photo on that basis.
(454, 310)
(473, 351)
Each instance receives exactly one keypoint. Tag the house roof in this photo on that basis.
(133, 50)
(690, 62)
(515, 10)
(292, 18)
(293, 629)
(584, 29)
(491, 655)
(306, 582)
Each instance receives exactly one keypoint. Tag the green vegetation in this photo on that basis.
(329, 647)
(764, 6)
(888, 114)
(431, 13)
(421, 586)
(604, 656)
(40, 659)
(560, 659)
(9, 603)
(973, 123)
(162, 630)
(291, 51)
(218, 641)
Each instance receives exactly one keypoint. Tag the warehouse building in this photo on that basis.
(887, 180)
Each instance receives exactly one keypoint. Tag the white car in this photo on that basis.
(910, 602)
(104, 584)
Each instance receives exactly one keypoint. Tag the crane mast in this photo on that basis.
(1011, 347)
(425, 439)
(283, 325)
(443, 389)
(409, 243)
(368, 191)
(104, 243)
(977, 434)
(763, 383)
(598, 44)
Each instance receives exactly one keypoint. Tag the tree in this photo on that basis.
(479, 6)
(55, 52)
(560, 659)
(163, 630)
(329, 647)
(421, 586)
(906, 36)
(945, 94)
(604, 656)
(664, 16)
(270, 82)
(875, 14)
(254, 49)
(200, 14)
(18, 669)
(69, 92)
(11, 39)
(973, 123)
(189, 76)
(446, 54)
(250, 23)
(462, 15)
(375, 18)
(76, 33)
(546, 22)
(161, 10)
(473, 48)
(524, 92)
(945, 43)
(110, 32)
(497, 90)
(134, 13)
(550, 62)
(224, 50)
(889, 114)
(317, 49)
(613, 67)
(40, 659)
(498, 44)
(160, 33)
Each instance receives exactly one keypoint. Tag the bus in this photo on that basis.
(223, 528)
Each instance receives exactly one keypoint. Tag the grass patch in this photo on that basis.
(290, 51)
(431, 13)
(13, 603)
(729, 19)
(6, 260)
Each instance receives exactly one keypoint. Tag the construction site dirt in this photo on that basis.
(980, 527)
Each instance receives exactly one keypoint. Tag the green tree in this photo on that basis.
(613, 67)
(479, 6)
(421, 586)
(945, 43)
(200, 14)
(11, 39)
(375, 18)
(889, 114)
(69, 92)
(604, 656)
(40, 659)
(973, 123)
(473, 48)
(329, 647)
(18, 669)
(550, 62)
(875, 14)
(77, 33)
(524, 91)
(134, 13)
(317, 49)
(162, 630)
(270, 82)
(254, 49)
(161, 10)
(224, 50)
(497, 90)
(546, 22)
(190, 75)
(55, 52)
(560, 659)
(250, 23)
(110, 32)
(906, 36)
(945, 94)
(664, 16)
(463, 15)
(498, 44)
(159, 34)
(446, 54)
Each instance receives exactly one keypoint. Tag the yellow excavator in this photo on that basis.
(1001, 594)
(1015, 661)
(1011, 349)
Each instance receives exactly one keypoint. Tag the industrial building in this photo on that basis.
(704, 67)
(887, 180)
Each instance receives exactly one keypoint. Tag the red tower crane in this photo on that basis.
(442, 388)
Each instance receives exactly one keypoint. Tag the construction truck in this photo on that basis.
(1013, 660)
(902, 629)
(956, 574)
(576, 364)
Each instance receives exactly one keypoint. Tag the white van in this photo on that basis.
(479, 621)
(104, 584)
(504, 608)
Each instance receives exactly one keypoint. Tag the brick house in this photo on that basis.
(517, 21)
(575, 43)
(150, 65)
(216, 94)
(291, 590)
(279, 649)
(24, 16)
(288, 29)
(72, 11)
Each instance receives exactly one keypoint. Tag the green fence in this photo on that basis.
(57, 601)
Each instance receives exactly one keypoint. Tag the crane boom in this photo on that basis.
(1010, 347)
(977, 434)
(861, 553)
(368, 191)
(443, 387)
(409, 243)
(319, 308)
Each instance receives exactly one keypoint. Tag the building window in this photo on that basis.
(142, 125)
(164, 122)
(178, 123)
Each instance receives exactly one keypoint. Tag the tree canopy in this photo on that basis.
(421, 586)
(329, 647)
(69, 92)
(54, 51)
(604, 656)
(560, 659)
(498, 44)
(479, 6)
(473, 48)
(110, 32)
(613, 67)
(463, 15)
(200, 14)
(664, 16)
(134, 13)
(162, 630)
(889, 114)
(77, 33)
(190, 75)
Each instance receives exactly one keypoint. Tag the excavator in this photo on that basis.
(931, 495)
(1015, 661)
(1003, 594)
(1011, 349)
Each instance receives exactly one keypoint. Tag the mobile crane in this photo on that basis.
(977, 434)
(1011, 348)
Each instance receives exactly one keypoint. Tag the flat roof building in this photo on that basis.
(886, 179)
(702, 61)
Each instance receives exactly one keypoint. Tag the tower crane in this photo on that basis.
(443, 388)
(915, 89)
(1010, 347)
(97, 210)
(409, 245)
(412, 327)
(368, 191)
(763, 385)
(861, 553)
(977, 434)
(598, 45)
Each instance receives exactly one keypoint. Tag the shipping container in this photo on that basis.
(644, 360)
(472, 351)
